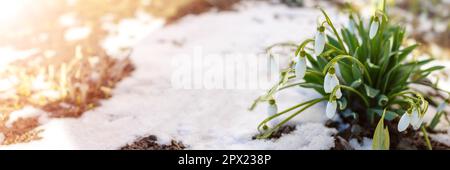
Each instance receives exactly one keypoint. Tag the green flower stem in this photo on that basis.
(341, 57)
(291, 85)
(403, 94)
(318, 73)
(398, 102)
(334, 30)
(335, 48)
(302, 46)
(427, 140)
(307, 103)
(366, 101)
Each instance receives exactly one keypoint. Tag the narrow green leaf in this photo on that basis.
(371, 92)
(346, 71)
(406, 51)
(315, 65)
(437, 116)
(342, 103)
(381, 136)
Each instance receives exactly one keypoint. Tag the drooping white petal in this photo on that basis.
(338, 93)
(417, 125)
(373, 29)
(331, 109)
(300, 68)
(415, 118)
(319, 43)
(272, 109)
(327, 83)
(404, 122)
(334, 81)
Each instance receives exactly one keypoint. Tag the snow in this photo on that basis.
(443, 138)
(26, 112)
(77, 33)
(128, 32)
(365, 145)
(215, 118)
(10, 54)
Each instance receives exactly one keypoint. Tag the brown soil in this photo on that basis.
(399, 141)
(286, 129)
(149, 143)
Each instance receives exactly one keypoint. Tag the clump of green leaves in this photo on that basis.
(362, 71)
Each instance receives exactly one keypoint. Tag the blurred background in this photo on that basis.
(63, 56)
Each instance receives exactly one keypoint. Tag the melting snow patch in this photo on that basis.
(26, 112)
(77, 33)
(442, 138)
(306, 137)
(366, 144)
(129, 32)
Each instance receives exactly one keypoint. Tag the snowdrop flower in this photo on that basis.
(407, 119)
(330, 81)
(319, 42)
(331, 108)
(374, 27)
(404, 122)
(338, 93)
(416, 119)
(272, 109)
(300, 66)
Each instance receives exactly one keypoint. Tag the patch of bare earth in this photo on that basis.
(149, 143)
(409, 140)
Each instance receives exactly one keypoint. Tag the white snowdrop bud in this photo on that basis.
(404, 121)
(272, 109)
(319, 42)
(338, 93)
(330, 81)
(300, 67)
(414, 117)
(326, 83)
(416, 120)
(331, 108)
(374, 27)
(417, 125)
